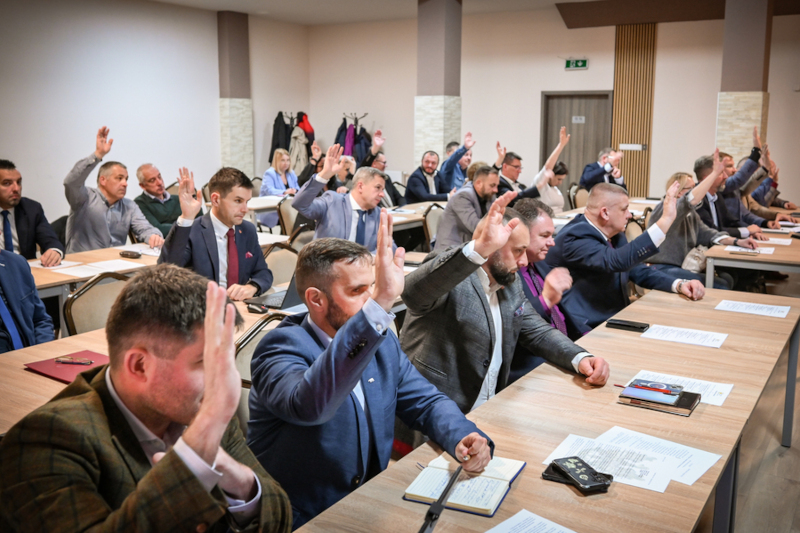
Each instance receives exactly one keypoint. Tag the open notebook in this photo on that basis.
(480, 494)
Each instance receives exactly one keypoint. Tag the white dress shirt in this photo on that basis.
(221, 234)
(242, 512)
(608, 177)
(431, 182)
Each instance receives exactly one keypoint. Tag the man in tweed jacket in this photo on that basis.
(148, 443)
(467, 312)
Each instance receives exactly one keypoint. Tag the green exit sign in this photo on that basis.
(577, 64)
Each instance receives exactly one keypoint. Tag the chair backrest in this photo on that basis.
(245, 347)
(581, 197)
(206, 193)
(257, 186)
(646, 216)
(301, 236)
(172, 189)
(87, 308)
(430, 222)
(59, 225)
(633, 230)
(400, 188)
(571, 195)
(287, 214)
(282, 261)
(132, 237)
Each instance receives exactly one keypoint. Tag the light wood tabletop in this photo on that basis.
(783, 259)
(532, 416)
(22, 391)
(46, 277)
(403, 219)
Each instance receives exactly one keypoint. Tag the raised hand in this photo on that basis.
(766, 161)
(563, 136)
(491, 234)
(389, 275)
(501, 154)
(378, 139)
(756, 138)
(103, 143)
(468, 142)
(316, 151)
(669, 209)
(333, 162)
(717, 169)
(190, 202)
(555, 284)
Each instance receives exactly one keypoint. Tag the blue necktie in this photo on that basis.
(9, 238)
(361, 229)
(8, 321)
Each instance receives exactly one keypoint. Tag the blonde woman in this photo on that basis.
(278, 180)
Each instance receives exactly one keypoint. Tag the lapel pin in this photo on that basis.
(371, 380)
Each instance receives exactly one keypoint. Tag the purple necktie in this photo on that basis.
(555, 314)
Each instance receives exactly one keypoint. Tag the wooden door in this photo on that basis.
(587, 116)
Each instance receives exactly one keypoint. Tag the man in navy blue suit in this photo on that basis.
(220, 245)
(605, 170)
(24, 223)
(327, 384)
(426, 184)
(601, 260)
(23, 319)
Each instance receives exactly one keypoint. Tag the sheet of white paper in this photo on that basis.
(693, 463)
(527, 522)
(115, 265)
(788, 224)
(142, 247)
(759, 250)
(781, 230)
(63, 264)
(408, 269)
(265, 239)
(264, 202)
(776, 311)
(398, 219)
(402, 211)
(636, 213)
(711, 393)
(782, 242)
(81, 271)
(631, 467)
(685, 336)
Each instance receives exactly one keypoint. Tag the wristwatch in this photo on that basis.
(680, 285)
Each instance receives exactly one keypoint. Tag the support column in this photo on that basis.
(235, 104)
(743, 101)
(437, 106)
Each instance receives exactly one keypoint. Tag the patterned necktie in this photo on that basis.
(361, 229)
(555, 315)
(8, 322)
(233, 259)
(9, 238)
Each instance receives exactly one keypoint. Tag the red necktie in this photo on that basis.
(233, 259)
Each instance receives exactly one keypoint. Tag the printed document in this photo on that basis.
(63, 264)
(711, 393)
(685, 336)
(775, 311)
(759, 250)
(527, 522)
(782, 242)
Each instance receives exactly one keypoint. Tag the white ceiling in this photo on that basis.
(313, 12)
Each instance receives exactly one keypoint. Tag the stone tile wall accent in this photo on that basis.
(737, 113)
(437, 121)
(236, 134)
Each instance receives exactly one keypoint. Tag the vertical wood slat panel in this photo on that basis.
(634, 73)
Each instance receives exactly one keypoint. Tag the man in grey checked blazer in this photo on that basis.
(459, 299)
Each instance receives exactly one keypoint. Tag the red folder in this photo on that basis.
(66, 373)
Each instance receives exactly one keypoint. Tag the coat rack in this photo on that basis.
(355, 118)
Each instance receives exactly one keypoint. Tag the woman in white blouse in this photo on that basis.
(552, 174)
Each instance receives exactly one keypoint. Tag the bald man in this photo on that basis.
(601, 260)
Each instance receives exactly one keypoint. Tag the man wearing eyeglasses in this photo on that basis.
(509, 164)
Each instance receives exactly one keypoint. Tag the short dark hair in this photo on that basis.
(723, 155)
(483, 170)
(105, 169)
(560, 169)
(5, 164)
(451, 144)
(531, 209)
(430, 152)
(316, 259)
(226, 179)
(511, 157)
(166, 304)
(703, 166)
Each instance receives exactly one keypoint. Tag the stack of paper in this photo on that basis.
(638, 459)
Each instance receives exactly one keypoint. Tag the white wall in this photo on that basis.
(366, 68)
(148, 71)
(508, 59)
(279, 66)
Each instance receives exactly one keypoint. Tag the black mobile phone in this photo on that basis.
(257, 309)
(628, 325)
(130, 254)
(795, 235)
(552, 474)
(581, 474)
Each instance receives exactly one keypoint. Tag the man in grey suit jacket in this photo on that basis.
(467, 312)
(353, 216)
(466, 208)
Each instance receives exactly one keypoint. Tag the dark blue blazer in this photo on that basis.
(600, 273)
(503, 186)
(593, 174)
(33, 323)
(33, 228)
(195, 248)
(417, 188)
(306, 425)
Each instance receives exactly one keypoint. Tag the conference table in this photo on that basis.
(532, 416)
(22, 391)
(783, 259)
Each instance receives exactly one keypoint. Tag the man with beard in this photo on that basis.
(467, 312)
(466, 208)
(327, 384)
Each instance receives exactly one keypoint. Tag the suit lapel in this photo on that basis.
(476, 284)
(373, 395)
(347, 215)
(21, 221)
(210, 239)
